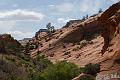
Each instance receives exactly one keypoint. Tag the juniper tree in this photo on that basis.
(50, 29)
(100, 10)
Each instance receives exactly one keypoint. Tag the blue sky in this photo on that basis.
(22, 18)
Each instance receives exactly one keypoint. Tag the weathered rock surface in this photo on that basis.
(110, 21)
(65, 44)
(8, 44)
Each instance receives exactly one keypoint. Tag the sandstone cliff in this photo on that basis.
(77, 42)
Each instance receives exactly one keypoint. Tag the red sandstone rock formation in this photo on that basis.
(67, 39)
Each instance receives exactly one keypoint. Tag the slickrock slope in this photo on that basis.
(77, 43)
(72, 34)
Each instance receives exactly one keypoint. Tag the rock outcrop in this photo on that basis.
(74, 33)
(8, 44)
(65, 43)
(109, 22)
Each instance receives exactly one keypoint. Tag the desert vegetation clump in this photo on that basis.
(8, 47)
(61, 71)
(91, 69)
(100, 10)
(66, 53)
(41, 62)
(82, 44)
(41, 68)
(89, 36)
(10, 71)
(50, 30)
(76, 48)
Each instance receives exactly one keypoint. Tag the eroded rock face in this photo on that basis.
(109, 21)
(74, 33)
(8, 44)
(106, 23)
(81, 31)
(109, 24)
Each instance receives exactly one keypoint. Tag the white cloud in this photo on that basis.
(19, 15)
(51, 5)
(20, 35)
(89, 6)
(6, 26)
(115, 1)
(64, 7)
(84, 6)
(62, 20)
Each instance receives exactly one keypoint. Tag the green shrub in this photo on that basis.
(92, 69)
(42, 59)
(36, 76)
(83, 43)
(10, 58)
(23, 56)
(77, 48)
(89, 36)
(60, 71)
(41, 62)
(10, 48)
(82, 69)
(66, 53)
(10, 71)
